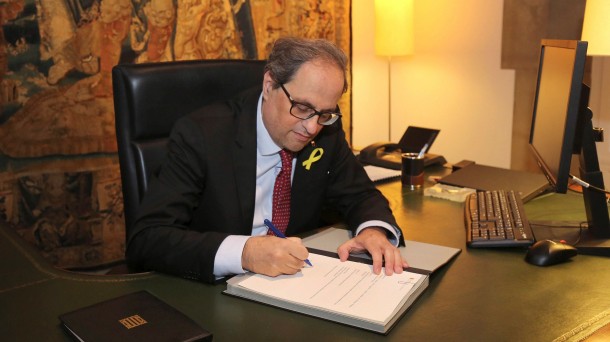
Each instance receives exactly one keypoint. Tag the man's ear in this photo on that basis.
(267, 84)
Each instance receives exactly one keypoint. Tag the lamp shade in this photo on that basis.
(393, 27)
(596, 27)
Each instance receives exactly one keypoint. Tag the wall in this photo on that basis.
(525, 24)
(453, 82)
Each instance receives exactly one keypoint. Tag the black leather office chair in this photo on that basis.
(149, 98)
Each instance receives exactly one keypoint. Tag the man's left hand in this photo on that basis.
(375, 241)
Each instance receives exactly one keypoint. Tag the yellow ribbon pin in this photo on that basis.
(313, 157)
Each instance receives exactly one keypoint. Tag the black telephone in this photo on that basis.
(388, 154)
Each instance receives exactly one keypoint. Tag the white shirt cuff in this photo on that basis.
(374, 223)
(228, 256)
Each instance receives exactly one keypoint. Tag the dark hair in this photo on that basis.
(289, 53)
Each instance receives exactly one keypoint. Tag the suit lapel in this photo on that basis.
(309, 171)
(311, 176)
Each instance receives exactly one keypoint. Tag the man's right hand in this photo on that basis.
(272, 256)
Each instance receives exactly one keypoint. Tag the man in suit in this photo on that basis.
(202, 217)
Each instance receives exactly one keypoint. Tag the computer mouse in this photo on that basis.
(548, 252)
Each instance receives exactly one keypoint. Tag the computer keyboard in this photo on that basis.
(496, 219)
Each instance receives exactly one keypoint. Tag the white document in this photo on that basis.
(345, 288)
(377, 173)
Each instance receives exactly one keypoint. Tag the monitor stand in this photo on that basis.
(582, 239)
(594, 240)
(591, 245)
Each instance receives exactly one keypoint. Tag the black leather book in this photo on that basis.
(139, 316)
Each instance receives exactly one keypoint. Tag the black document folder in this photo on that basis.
(138, 316)
(482, 177)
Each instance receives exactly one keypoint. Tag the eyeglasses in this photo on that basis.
(303, 111)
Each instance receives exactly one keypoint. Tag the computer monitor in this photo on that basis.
(562, 126)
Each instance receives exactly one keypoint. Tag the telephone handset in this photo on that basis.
(388, 154)
(383, 146)
(384, 154)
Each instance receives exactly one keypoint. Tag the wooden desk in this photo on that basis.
(482, 295)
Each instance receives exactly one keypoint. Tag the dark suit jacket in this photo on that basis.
(205, 190)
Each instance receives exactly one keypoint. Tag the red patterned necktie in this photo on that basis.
(281, 194)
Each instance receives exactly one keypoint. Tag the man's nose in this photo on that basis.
(311, 125)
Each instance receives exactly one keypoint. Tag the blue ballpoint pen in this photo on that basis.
(280, 235)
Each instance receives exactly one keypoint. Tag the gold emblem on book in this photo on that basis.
(132, 321)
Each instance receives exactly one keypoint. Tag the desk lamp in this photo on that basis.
(393, 37)
(596, 32)
(595, 28)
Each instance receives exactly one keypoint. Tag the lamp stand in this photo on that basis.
(390, 98)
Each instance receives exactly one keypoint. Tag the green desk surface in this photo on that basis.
(482, 295)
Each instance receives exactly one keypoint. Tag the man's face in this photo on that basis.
(316, 83)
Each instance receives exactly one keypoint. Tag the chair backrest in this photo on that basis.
(149, 98)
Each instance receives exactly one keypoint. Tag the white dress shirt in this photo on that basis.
(268, 165)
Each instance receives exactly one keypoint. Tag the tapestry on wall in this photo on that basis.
(59, 176)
